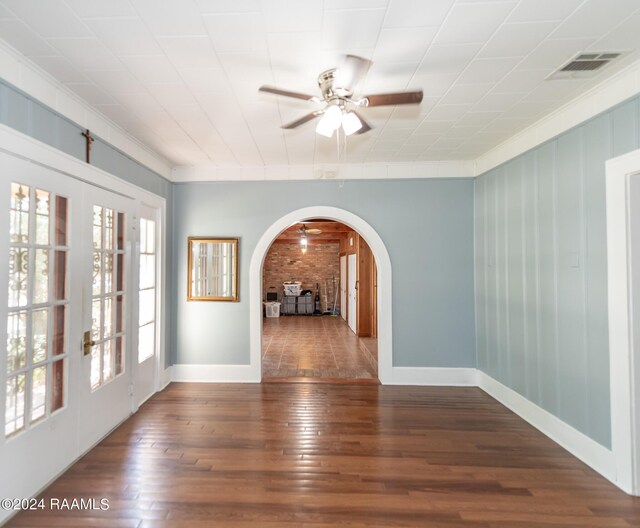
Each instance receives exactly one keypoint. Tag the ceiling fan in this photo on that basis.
(309, 230)
(338, 95)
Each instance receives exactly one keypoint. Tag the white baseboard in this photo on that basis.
(578, 444)
(453, 377)
(215, 373)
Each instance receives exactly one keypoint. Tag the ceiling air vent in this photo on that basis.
(584, 65)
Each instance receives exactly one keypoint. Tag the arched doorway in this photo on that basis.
(383, 291)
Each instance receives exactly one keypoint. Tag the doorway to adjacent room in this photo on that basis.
(320, 292)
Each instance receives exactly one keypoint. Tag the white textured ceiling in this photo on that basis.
(182, 75)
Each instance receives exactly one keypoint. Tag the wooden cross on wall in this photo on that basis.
(90, 139)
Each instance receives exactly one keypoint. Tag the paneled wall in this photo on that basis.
(541, 270)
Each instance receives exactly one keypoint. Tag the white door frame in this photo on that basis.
(385, 343)
(623, 259)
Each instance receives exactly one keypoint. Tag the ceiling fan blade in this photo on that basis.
(393, 98)
(350, 73)
(303, 119)
(288, 93)
(365, 126)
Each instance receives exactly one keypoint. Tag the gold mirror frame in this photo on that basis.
(210, 240)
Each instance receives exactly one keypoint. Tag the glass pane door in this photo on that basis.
(148, 299)
(107, 295)
(106, 372)
(40, 321)
(37, 305)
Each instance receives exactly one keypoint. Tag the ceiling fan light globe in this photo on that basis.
(324, 129)
(350, 123)
(331, 120)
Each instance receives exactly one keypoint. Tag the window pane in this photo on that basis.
(18, 276)
(119, 314)
(96, 319)
(120, 273)
(95, 366)
(107, 362)
(108, 228)
(60, 283)
(61, 221)
(39, 335)
(143, 235)
(57, 385)
(16, 341)
(97, 227)
(97, 273)
(121, 231)
(151, 236)
(14, 409)
(146, 342)
(42, 217)
(108, 272)
(108, 318)
(147, 271)
(41, 277)
(119, 355)
(38, 392)
(19, 219)
(147, 306)
(58, 342)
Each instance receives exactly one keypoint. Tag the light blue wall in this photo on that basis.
(541, 270)
(426, 225)
(23, 113)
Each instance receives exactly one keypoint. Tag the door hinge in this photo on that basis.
(130, 389)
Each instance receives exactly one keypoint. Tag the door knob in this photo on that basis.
(87, 343)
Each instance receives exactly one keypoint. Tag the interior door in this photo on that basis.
(146, 358)
(343, 287)
(106, 381)
(351, 291)
(40, 243)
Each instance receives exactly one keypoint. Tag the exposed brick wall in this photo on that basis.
(286, 261)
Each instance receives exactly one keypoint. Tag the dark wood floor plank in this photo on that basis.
(319, 455)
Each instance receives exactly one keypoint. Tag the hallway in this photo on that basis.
(306, 347)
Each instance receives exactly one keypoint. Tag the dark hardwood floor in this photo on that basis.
(322, 455)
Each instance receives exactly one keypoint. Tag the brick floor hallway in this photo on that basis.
(310, 347)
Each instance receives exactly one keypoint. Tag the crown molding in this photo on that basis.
(602, 97)
(27, 76)
(364, 171)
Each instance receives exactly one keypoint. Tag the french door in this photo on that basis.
(146, 358)
(69, 253)
(106, 380)
(40, 243)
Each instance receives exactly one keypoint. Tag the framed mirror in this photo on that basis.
(213, 269)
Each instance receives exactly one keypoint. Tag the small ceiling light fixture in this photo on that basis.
(334, 117)
(304, 241)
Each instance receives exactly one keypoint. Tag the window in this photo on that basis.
(107, 309)
(147, 294)
(37, 307)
